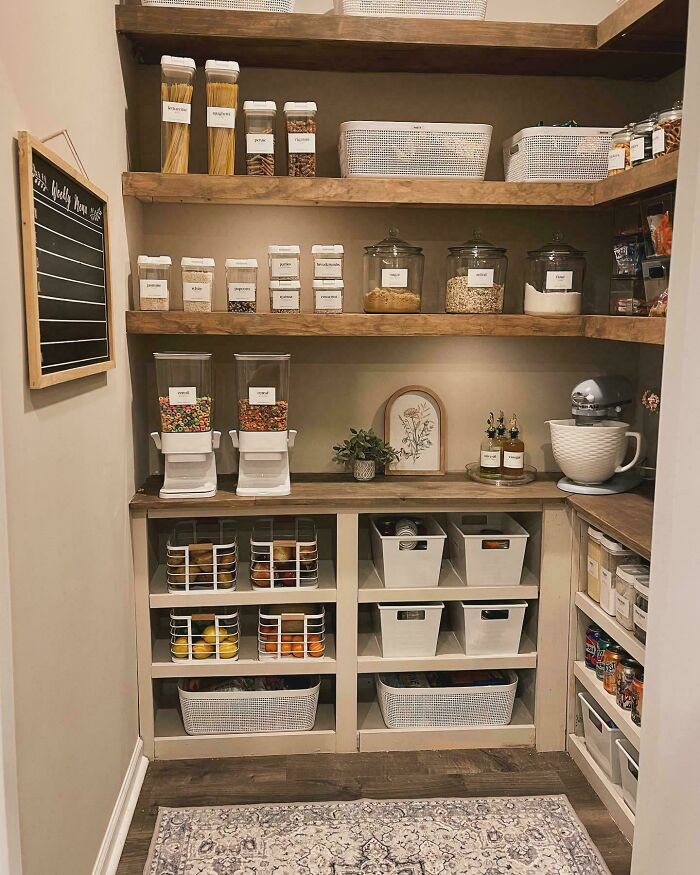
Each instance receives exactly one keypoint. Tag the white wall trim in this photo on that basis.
(113, 841)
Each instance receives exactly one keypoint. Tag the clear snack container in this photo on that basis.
(328, 261)
(242, 284)
(642, 145)
(197, 284)
(284, 261)
(154, 281)
(184, 383)
(393, 276)
(328, 296)
(259, 118)
(612, 555)
(262, 380)
(476, 277)
(222, 101)
(625, 593)
(300, 123)
(666, 137)
(285, 296)
(554, 276)
(619, 158)
(640, 610)
(176, 86)
(594, 555)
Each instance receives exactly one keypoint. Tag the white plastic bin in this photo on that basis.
(554, 154)
(629, 772)
(601, 737)
(467, 9)
(407, 569)
(487, 549)
(488, 629)
(408, 630)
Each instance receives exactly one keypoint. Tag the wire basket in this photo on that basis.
(199, 634)
(296, 632)
(414, 149)
(550, 154)
(235, 5)
(284, 553)
(202, 556)
(472, 9)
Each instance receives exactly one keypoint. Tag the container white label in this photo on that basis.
(395, 277)
(177, 112)
(622, 606)
(640, 618)
(490, 459)
(196, 291)
(513, 460)
(479, 277)
(262, 395)
(305, 143)
(559, 280)
(328, 268)
(221, 117)
(241, 291)
(153, 288)
(260, 144)
(179, 395)
(331, 299)
(284, 267)
(637, 149)
(592, 568)
(606, 578)
(658, 141)
(616, 159)
(288, 299)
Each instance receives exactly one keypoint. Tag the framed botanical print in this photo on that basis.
(415, 424)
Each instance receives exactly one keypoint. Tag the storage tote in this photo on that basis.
(552, 154)
(408, 630)
(235, 5)
(601, 734)
(488, 629)
(400, 568)
(487, 549)
(414, 149)
(629, 772)
(471, 9)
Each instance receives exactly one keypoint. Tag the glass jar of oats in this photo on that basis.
(476, 277)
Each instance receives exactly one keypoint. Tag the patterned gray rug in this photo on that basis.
(531, 835)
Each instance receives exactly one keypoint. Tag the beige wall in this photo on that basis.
(68, 461)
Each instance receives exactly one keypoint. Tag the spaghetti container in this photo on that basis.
(222, 101)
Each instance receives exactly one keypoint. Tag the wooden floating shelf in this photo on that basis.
(624, 637)
(622, 718)
(627, 518)
(621, 47)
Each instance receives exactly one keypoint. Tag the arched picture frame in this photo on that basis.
(415, 424)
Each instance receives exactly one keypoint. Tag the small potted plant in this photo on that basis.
(365, 450)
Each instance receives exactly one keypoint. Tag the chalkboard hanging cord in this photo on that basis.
(64, 133)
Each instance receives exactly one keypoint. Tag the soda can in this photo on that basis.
(625, 674)
(613, 655)
(592, 633)
(637, 700)
(604, 641)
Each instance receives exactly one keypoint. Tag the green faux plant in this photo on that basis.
(365, 446)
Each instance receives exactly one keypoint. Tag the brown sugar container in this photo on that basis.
(393, 276)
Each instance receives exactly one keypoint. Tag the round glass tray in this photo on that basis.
(473, 473)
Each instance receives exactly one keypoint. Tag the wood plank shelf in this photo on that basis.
(622, 718)
(350, 43)
(624, 637)
(627, 517)
(646, 25)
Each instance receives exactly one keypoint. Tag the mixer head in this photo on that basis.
(600, 398)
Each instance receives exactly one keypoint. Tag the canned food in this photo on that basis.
(604, 641)
(592, 634)
(625, 674)
(613, 654)
(637, 699)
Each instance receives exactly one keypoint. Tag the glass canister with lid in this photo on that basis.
(476, 277)
(554, 277)
(641, 145)
(641, 609)
(667, 132)
(625, 594)
(619, 154)
(393, 276)
(612, 555)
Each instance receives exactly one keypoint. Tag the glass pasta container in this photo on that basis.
(393, 276)
(177, 83)
(242, 284)
(259, 118)
(262, 380)
(154, 281)
(184, 383)
(476, 277)
(222, 101)
(197, 284)
(300, 122)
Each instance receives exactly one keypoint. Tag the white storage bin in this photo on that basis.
(551, 154)
(406, 569)
(233, 710)
(601, 737)
(235, 5)
(487, 549)
(447, 706)
(414, 149)
(488, 629)
(204, 635)
(471, 9)
(629, 772)
(408, 630)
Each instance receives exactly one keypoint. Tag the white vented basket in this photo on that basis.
(408, 630)
(204, 635)
(414, 149)
(489, 629)
(471, 9)
(629, 772)
(481, 558)
(202, 555)
(448, 706)
(291, 632)
(401, 568)
(284, 553)
(223, 711)
(550, 154)
(600, 737)
(234, 5)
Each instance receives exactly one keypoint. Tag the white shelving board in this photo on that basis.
(624, 638)
(622, 718)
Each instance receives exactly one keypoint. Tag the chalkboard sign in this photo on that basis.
(66, 268)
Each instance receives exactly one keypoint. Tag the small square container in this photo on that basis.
(154, 281)
(284, 261)
(601, 733)
(300, 123)
(408, 630)
(242, 284)
(328, 296)
(222, 101)
(328, 261)
(176, 87)
(627, 576)
(259, 116)
(492, 629)
(197, 284)
(612, 554)
(285, 296)
(406, 560)
(487, 549)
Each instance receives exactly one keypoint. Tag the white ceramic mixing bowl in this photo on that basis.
(592, 454)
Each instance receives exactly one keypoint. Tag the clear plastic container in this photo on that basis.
(263, 391)
(612, 555)
(393, 276)
(260, 137)
(625, 594)
(641, 145)
(184, 383)
(284, 262)
(154, 281)
(242, 284)
(640, 610)
(177, 84)
(476, 277)
(197, 284)
(666, 137)
(593, 563)
(328, 261)
(328, 296)
(554, 276)
(222, 101)
(285, 296)
(619, 153)
(300, 122)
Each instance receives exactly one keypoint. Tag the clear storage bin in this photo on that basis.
(328, 261)
(393, 276)
(202, 555)
(262, 381)
(629, 772)
(601, 733)
(284, 261)
(408, 630)
(291, 632)
(284, 553)
(487, 549)
(154, 281)
(197, 284)
(594, 563)
(177, 83)
(612, 555)
(640, 610)
(627, 577)
(242, 284)
(408, 561)
(259, 118)
(222, 101)
(285, 296)
(199, 634)
(328, 296)
(488, 629)
(554, 276)
(300, 122)
(476, 277)
(184, 382)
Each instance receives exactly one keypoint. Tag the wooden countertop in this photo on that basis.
(627, 517)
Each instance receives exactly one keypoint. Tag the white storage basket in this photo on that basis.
(235, 5)
(204, 635)
(408, 630)
(414, 149)
(488, 629)
(472, 9)
(401, 568)
(447, 706)
(202, 555)
(291, 632)
(601, 737)
(223, 711)
(487, 549)
(284, 553)
(629, 772)
(550, 154)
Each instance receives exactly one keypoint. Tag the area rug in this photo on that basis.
(531, 835)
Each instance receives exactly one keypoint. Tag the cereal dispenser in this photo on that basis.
(186, 438)
(263, 437)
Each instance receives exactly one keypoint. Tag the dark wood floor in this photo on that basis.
(324, 777)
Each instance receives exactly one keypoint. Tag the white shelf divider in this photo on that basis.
(624, 638)
(622, 718)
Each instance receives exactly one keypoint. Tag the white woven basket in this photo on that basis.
(473, 9)
(236, 5)
(557, 154)
(448, 706)
(414, 149)
(212, 713)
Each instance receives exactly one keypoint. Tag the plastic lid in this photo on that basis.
(633, 573)
(190, 356)
(262, 356)
(594, 534)
(197, 262)
(285, 284)
(283, 250)
(393, 245)
(259, 106)
(178, 64)
(613, 547)
(155, 260)
(241, 262)
(320, 285)
(642, 586)
(556, 248)
(291, 106)
(477, 246)
(332, 249)
(223, 67)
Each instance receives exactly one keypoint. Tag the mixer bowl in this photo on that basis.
(592, 454)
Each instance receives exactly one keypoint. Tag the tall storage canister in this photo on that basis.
(260, 137)
(222, 101)
(154, 282)
(177, 85)
(594, 557)
(612, 555)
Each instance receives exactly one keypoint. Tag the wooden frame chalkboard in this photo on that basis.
(67, 292)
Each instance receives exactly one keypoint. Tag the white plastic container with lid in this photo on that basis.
(284, 262)
(154, 281)
(259, 118)
(242, 284)
(593, 563)
(300, 122)
(328, 296)
(197, 284)
(627, 577)
(177, 85)
(328, 261)
(285, 296)
(612, 555)
(222, 102)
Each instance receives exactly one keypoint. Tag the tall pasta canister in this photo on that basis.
(222, 101)
(260, 137)
(177, 83)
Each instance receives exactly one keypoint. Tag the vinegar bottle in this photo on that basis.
(513, 452)
(490, 459)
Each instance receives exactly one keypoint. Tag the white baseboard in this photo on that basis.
(113, 841)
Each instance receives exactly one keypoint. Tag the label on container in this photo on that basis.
(559, 280)
(637, 149)
(640, 618)
(287, 299)
(196, 291)
(260, 144)
(658, 141)
(241, 292)
(331, 299)
(616, 159)
(480, 277)
(153, 288)
(304, 143)
(592, 568)
(179, 395)
(284, 267)
(606, 578)
(262, 395)
(490, 459)
(395, 277)
(221, 117)
(622, 606)
(328, 268)
(513, 460)
(177, 112)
